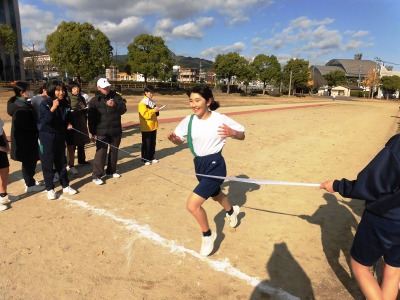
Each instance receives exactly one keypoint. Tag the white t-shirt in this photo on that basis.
(205, 136)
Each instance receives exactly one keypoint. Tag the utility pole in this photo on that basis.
(290, 82)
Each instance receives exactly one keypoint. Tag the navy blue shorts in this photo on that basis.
(377, 237)
(213, 164)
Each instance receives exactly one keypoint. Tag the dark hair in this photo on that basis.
(55, 85)
(20, 87)
(149, 88)
(73, 84)
(206, 93)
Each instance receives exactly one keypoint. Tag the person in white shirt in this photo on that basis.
(206, 132)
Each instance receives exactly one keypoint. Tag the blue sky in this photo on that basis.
(313, 30)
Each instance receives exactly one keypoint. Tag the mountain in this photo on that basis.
(182, 61)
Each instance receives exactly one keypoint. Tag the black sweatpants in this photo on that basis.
(28, 171)
(149, 139)
(100, 157)
(52, 152)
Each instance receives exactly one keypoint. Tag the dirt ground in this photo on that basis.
(132, 237)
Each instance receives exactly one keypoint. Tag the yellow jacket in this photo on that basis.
(147, 115)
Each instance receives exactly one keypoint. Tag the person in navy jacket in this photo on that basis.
(378, 234)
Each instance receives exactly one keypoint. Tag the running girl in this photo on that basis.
(206, 132)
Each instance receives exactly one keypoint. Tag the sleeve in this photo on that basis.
(232, 123)
(45, 115)
(121, 105)
(182, 129)
(145, 112)
(378, 180)
(92, 116)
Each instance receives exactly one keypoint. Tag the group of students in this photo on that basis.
(206, 132)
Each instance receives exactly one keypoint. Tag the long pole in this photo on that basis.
(290, 81)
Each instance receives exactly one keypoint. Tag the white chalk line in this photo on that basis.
(145, 231)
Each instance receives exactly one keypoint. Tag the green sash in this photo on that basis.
(189, 136)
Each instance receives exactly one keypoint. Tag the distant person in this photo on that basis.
(148, 113)
(206, 132)
(37, 99)
(378, 233)
(77, 139)
(24, 134)
(104, 119)
(54, 122)
(5, 198)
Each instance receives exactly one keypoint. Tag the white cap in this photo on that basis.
(103, 83)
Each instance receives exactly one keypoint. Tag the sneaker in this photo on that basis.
(116, 175)
(154, 161)
(34, 188)
(39, 183)
(56, 177)
(3, 207)
(147, 163)
(8, 198)
(73, 170)
(69, 190)
(233, 217)
(98, 181)
(51, 195)
(207, 244)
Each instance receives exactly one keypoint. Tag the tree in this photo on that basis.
(229, 65)
(7, 43)
(268, 69)
(247, 74)
(390, 84)
(372, 81)
(148, 55)
(335, 78)
(79, 49)
(298, 68)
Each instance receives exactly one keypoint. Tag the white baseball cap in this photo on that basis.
(103, 83)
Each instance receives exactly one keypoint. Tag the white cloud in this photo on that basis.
(360, 34)
(190, 30)
(210, 53)
(304, 22)
(37, 24)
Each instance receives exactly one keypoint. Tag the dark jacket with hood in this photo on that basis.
(57, 121)
(104, 120)
(24, 132)
(378, 183)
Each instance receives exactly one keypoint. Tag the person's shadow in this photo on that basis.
(287, 278)
(237, 195)
(336, 223)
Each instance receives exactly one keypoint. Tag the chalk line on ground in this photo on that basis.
(145, 231)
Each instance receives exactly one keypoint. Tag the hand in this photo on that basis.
(225, 131)
(328, 186)
(69, 127)
(93, 138)
(110, 102)
(174, 138)
(156, 109)
(5, 149)
(56, 103)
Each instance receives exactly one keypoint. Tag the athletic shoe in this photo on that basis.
(39, 183)
(3, 207)
(8, 198)
(56, 177)
(233, 217)
(69, 190)
(98, 181)
(147, 163)
(115, 175)
(73, 170)
(34, 188)
(207, 244)
(51, 195)
(154, 161)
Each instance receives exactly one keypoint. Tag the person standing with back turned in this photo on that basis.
(206, 132)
